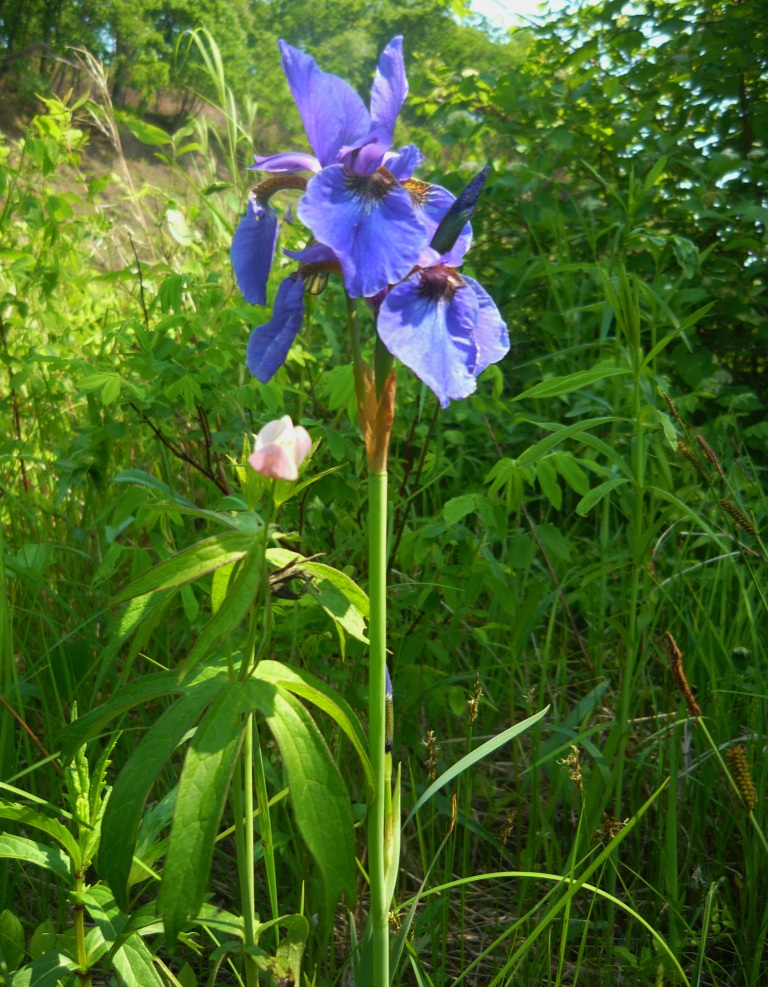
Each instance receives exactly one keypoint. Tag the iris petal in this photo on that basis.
(333, 114)
(431, 332)
(390, 87)
(269, 344)
(286, 161)
(253, 249)
(369, 222)
(491, 335)
(404, 162)
(432, 205)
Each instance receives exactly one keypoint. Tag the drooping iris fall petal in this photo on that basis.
(269, 344)
(445, 328)
(370, 223)
(253, 250)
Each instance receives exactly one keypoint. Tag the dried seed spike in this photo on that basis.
(739, 768)
(738, 517)
(709, 452)
(672, 408)
(675, 656)
(687, 453)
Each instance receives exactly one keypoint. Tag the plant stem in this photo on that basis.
(377, 543)
(78, 920)
(266, 833)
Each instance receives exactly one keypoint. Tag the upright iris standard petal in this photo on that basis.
(253, 249)
(269, 344)
(427, 322)
(333, 114)
(370, 223)
(390, 87)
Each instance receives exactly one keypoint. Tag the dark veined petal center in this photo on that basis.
(371, 188)
(440, 283)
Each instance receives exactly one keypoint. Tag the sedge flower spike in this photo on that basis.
(280, 449)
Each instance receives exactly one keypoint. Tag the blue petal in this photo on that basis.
(490, 335)
(390, 87)
(370, 223)
(287, 161)
(428, 326)
(433, 204)
(316, 253)
(332, 113)
(269, 344)
(404, 162)
(253, 249)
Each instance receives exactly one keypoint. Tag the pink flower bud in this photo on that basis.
(280, 449)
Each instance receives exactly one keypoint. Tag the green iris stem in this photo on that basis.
(377, 588)
(377, 669)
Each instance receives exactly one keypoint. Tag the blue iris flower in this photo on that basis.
(441, 324)
(355, 201)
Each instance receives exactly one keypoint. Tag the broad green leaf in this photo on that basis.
(546, 474)
(556, 386)
(469, 760)
(313, 689)
(132, 960)
(320, 802)
(242, 596)
(26, 816)
(140, 617)
(291, 948)
(11, 939)
(51, 858)
(571, 472)
(138, 693)
(49, 969)
(356, 596)
(595, 495)
(147, 133)
(192, 563)
(458, 507)
(122, 819)
(203, 789)
(341, 598)
(654, 175)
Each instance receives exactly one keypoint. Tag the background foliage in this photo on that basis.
(546, 533)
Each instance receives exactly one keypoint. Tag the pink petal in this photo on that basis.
(275, 462)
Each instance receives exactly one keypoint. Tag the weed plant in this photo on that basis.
(583, 534)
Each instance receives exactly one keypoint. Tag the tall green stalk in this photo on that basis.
(375, 398)
(377, 535)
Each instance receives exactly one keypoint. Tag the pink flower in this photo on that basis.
(280, 449)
